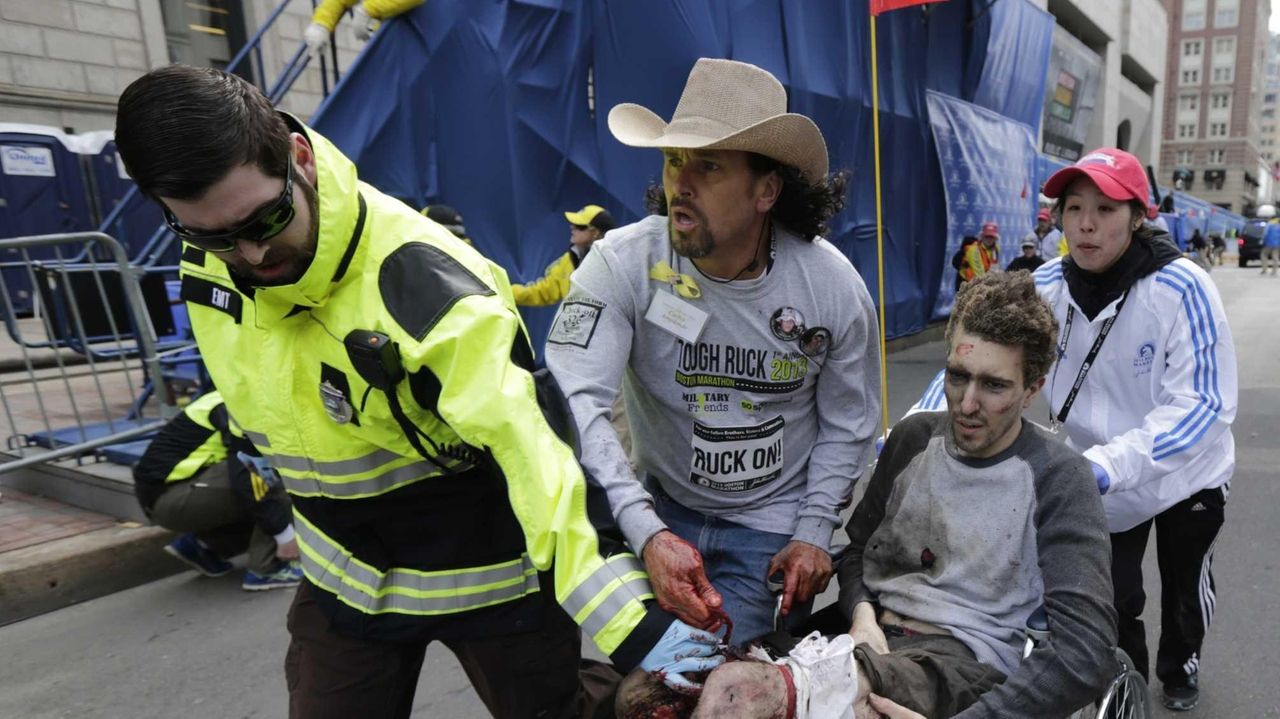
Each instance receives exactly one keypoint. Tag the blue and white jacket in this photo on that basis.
(1156, 407)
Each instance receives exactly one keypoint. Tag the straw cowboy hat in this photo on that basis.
(729, 105)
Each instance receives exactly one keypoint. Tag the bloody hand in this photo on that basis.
(807, 570)
(680, 581)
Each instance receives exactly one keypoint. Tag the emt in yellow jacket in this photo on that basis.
(380, 365)
(585, 227)
(983, 255)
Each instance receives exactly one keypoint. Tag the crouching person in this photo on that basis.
(973, 518)
(191, 481)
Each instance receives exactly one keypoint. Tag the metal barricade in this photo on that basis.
(81, 371)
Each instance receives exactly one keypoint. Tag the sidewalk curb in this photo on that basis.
(57, 574)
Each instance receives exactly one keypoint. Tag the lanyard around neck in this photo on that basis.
(1061, 419)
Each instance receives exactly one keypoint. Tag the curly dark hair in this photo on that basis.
(802, 206)
(1004, 308)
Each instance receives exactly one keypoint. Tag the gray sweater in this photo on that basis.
(975, 545)
(739, 424)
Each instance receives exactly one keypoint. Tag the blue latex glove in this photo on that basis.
(261, 467)
(681, 649)
(1103, 479)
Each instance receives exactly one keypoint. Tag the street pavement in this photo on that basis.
(191, 646)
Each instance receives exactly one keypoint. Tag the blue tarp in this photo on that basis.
(1021, 36)
(988, 164)
(489, 107)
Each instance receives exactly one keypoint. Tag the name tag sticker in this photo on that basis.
(674, 315)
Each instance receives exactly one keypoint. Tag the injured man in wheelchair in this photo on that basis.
(973, 519)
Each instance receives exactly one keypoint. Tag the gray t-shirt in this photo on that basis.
(740, 424)
(975, 545)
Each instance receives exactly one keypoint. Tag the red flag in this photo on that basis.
(879, 6)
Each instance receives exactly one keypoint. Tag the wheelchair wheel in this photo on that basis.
(1127, 697)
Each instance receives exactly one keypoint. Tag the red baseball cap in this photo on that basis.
(1117, 174)
(990, 229)
(1044, 214)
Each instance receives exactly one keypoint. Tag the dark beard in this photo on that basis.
(299, 259)
(695, 246)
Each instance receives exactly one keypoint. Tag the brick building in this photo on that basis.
(64, 62)
(1213, 115)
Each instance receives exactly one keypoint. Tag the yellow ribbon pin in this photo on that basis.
(684, 285)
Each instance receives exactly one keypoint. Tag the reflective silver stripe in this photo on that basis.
(400, 590)
(615, 567)
(637, 589)
(341, 467)
(370, 486)
(330, 483)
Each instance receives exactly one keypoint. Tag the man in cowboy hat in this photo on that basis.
(746, 347)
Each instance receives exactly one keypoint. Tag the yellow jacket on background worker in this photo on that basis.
(983, 255)
(365, 17)
(585, 227)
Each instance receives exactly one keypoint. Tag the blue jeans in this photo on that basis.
(736, 558)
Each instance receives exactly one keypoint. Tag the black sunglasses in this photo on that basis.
(262, 227)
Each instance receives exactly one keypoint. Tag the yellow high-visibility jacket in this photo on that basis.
(329, 12)
(393, 544)
(552, 286)
(978, 260)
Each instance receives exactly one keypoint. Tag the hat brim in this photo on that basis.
(1060, 180)
(789, 138)
(577, 218)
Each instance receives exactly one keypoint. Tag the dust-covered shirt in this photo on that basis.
(975, 545)
(765, 419)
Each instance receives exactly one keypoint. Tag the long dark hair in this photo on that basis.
(802, 207)
(180, 129)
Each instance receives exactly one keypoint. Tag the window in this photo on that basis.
(1186, 157)
(1217, 129)
(1224, 47)
(1224, 74)
(1269, 113)
(1225, 13)
(1269, 98)
(1193, 14)
(1192, 48)
(1190, 77)
(1188, 103)
(1217, 157)
(1186, 130)
(1220, 101)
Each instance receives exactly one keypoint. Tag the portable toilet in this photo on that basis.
(42, 191)
(134, 225)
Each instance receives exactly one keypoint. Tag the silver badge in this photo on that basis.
(335, 404)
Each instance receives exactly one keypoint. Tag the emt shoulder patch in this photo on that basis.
(200, 291)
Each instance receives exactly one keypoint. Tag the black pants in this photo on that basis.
(1185, 535)
(534, 674)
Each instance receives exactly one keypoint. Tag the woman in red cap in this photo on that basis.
(1145, 388)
